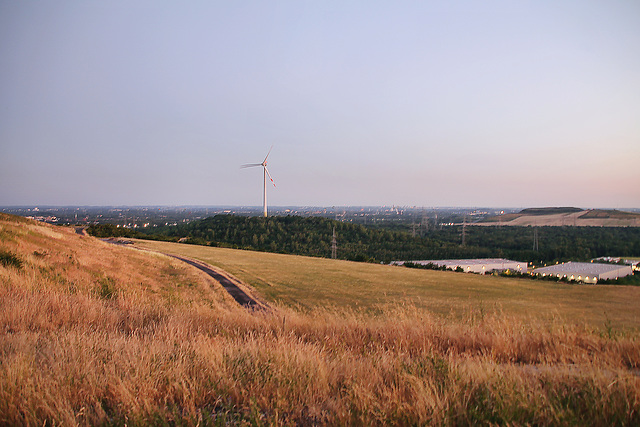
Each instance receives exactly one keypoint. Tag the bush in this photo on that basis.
(110, 230)
(9, 259)
(632, 280)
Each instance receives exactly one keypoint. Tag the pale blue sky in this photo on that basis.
(492, 103)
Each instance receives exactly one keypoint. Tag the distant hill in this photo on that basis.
(566, 216)
(549, 211)
(610, 214)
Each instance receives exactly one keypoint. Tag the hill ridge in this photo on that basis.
(566, 216)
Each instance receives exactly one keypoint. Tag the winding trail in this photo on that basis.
(229, 284)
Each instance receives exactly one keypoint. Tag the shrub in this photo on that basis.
(9, 259)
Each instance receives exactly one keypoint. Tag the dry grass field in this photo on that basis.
(306, 283)
(92, 333)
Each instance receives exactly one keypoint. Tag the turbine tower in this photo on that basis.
(266, 172)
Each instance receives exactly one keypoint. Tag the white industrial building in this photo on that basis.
(481, 266)
(586, 272)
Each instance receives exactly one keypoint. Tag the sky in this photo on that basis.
(412, 103)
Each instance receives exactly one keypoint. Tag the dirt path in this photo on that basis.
(231, 285)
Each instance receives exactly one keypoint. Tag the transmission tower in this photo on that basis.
(464, 230)
(424, 224)
(334, 245)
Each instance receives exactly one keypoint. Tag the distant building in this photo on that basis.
(586, 272)
(480, 266)
(634, 263)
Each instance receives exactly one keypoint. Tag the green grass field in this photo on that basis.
(306, 283)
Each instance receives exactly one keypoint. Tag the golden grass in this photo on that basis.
(306, 282)
(98, 334)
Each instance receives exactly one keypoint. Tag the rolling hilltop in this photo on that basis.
(566, 217)
(98, 334)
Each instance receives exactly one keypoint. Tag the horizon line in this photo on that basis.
(201, 206)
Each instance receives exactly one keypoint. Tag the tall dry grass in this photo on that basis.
(93, 334)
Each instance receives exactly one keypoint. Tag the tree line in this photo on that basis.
(312, 236)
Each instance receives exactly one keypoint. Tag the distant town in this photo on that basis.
(410, 218)
(155, 216)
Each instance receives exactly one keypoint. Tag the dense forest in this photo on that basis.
(312, 236)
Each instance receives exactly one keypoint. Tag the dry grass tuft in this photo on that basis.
(92, 333)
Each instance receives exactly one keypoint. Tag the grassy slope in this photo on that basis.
(95, 334)
(609, 213)
(316, 282)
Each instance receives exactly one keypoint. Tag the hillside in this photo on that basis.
(94, 334)
(550, 211)
(308, 283)
(566, 217)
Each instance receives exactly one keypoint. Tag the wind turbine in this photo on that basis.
(266, 172)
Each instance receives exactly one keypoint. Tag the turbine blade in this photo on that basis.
(265, 159)
(267, 170)
(250, 165)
